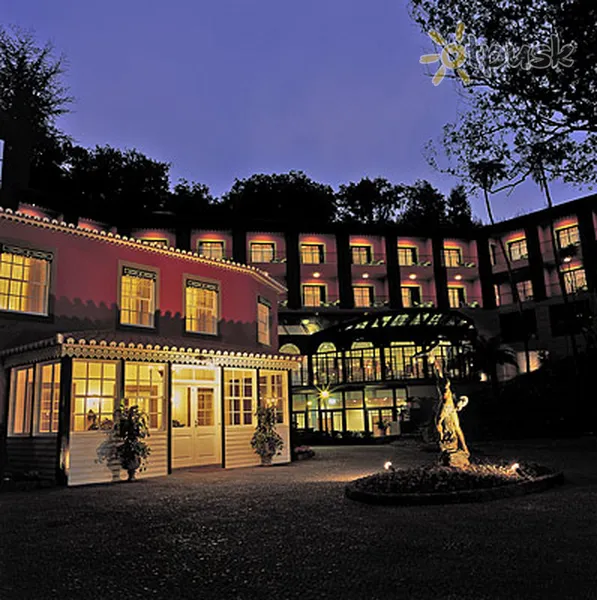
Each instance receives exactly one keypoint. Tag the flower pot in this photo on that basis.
(266, 461)
(131, 469)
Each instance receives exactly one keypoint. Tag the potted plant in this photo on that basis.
(266, 441)
(382, 425)
(130, 429)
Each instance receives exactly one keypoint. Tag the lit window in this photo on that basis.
(525, 290)
(313, 295)
(361, 255)
(239, 397)
(205, 407)
(498, 297)
(312, 254)
(456, 297)
(201, 307)
(24, 279)
(407, 256)
(262, 253)
(144, 387)
(411, 295)
(21, 400)
(569, 236)
(93, 395)
(363, 296)
(213, 250)
(137, 297)
(48, 397)
(452, 257)
(273, 392)
(575, 280)
(161, 242)
(518, 250)
(264, 324)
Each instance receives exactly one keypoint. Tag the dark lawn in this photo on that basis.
(289, 532)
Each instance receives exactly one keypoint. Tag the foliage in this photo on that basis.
(369, 201)
(512, 109)
(289, 197)
(130, 430)
(266, 441)
(436, 479)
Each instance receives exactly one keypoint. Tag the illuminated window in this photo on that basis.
(493, 254)
(211, 249)
(205, 407)
(498, 297)
(411, 295)
(239, 396)
(137, 297)
(24, 279)
(312, 254)
(21, 400)
(201, 307)
(518, 250)
(361, 255)
(48, 397)
(264, 322)
(407, 256)
(363, 296)
(452, 257)
(93, 394)
(262, 252)
(456, 297)
(314, 295)
(161, 242)
(525, 290)
(575, 280)
(144, 386)
(273, 392)
(569, 236)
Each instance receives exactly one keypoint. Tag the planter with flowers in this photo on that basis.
(266, 441)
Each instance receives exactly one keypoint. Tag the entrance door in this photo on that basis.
(195, 427)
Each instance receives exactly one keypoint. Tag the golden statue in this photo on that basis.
(454, 451)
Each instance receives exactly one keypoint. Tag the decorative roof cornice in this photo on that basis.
(123, 240)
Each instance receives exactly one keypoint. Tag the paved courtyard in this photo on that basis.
(288, 532)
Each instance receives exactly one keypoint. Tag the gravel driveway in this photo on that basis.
(288, 532)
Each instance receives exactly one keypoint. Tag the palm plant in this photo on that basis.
(487, 353)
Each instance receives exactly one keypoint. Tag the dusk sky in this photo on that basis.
(228, 88)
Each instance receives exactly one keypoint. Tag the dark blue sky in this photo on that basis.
(223, 89)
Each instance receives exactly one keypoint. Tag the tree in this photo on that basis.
(284, 198)
(113, 185)
(32, 97)
(544, 88)
(192, 201)
(458, 208)
(369, 201)
(425, 206)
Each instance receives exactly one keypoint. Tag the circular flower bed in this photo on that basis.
(434, 484)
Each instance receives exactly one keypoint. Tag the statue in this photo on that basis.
(454, 451)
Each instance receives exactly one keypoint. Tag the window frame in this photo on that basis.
(369, 256)
(241, 397)
(269, 375)
(403, 288)
(37, 397)
(516, 243)
(208, 283)
(460, 291)
(162, 412)
(448, 255)
(221, 244)
(123, 267)
(323, 294)
(567, 231)
(261, 301)
(569, 279)
(42, 255)
(28, 404)
(414, 256)
(272, 247)
(321, 253)
(371, 298)
(159, 242)
(522, 289)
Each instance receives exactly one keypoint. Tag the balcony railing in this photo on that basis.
(423, 260)
(256, 259)
(463, 262)
(371, 260)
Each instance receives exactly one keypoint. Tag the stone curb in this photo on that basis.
(506, 491)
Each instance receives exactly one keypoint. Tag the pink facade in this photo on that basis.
(85, 281)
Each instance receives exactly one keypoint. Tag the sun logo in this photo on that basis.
(452, 57)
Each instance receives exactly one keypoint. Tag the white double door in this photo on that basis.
(196, 432)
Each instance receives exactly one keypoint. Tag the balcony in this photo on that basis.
(460, 262)
(260, 258)
(368, 260)
(422, 260)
